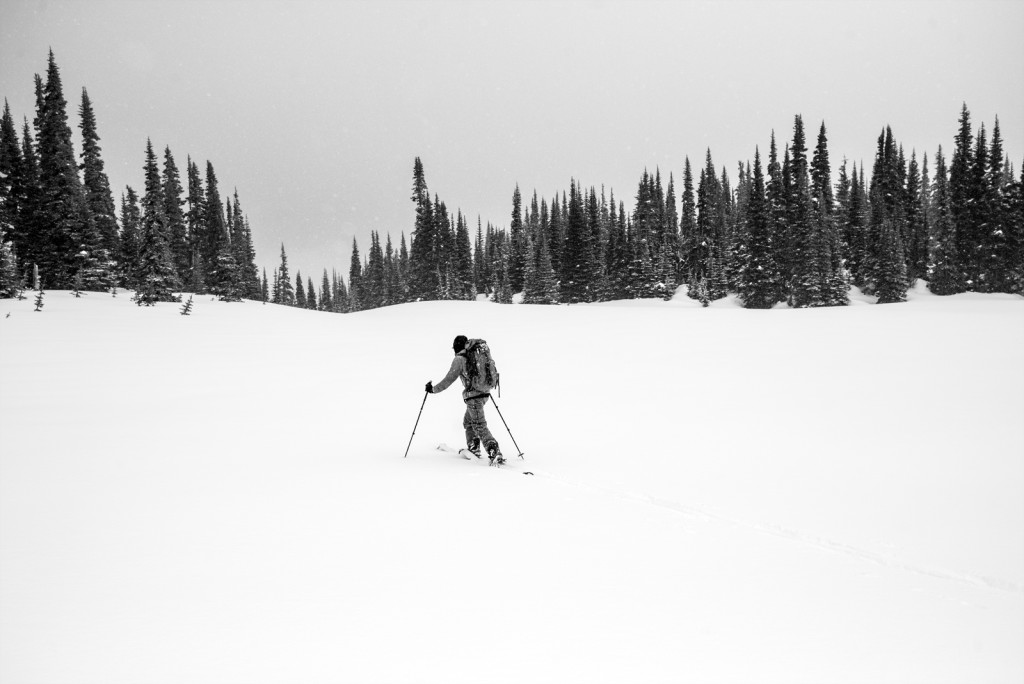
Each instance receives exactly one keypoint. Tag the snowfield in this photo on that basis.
(720, 495)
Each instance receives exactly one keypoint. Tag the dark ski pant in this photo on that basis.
(476, 423)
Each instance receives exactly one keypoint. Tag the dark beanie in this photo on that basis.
(459, 344)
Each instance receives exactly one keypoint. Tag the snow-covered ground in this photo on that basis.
(720, 495)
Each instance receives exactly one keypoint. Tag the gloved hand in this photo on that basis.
(430, 387)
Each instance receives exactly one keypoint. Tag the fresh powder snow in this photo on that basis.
(719, 495)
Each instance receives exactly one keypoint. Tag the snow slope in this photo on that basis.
(721, 495)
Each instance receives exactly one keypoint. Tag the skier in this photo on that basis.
(474, 422)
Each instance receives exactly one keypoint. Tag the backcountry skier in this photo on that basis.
(476, 392)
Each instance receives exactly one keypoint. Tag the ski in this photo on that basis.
(470, 456)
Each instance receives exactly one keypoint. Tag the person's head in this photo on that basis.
(459, 344)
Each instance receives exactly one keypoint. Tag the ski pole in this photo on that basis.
(506, 427)
(418, 424)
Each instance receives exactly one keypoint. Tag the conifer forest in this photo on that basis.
(789, 225)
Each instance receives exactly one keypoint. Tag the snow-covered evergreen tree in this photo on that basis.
(944, 272)
(70, 243)
(576, 254)
(196, 224)
(356, 286)
(156, 279)
(97, 187)
(760, 280)
(300, 291)
(177, 228)
(284, 292)
(325, 301)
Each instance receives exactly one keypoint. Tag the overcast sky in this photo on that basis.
(315, 111)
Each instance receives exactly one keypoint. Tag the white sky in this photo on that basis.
(316, 110)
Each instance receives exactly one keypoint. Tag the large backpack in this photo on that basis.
(483, 374)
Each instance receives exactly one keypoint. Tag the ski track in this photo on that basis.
(779, 531)
(792, 535)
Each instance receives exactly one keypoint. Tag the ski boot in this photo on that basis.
(474, 447)
(494, 454)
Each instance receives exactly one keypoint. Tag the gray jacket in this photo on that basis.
(459, 370)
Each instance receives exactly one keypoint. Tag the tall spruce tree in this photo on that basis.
(131, 239)
(979, 214)
(760, 280)
(177, 228)
(196, 223)
(97, 186)
(687, 222)
(818, 277)
(423, 260)
(404, 271)
(645, 240)
(224, 276)
(885, 260)
(444, 252)
(71, 247)
(821, 172)
(995, 231)
(576, 254)
(671, 239)
(300, 291)
(517, 264)
(540, 286)
(556, 234)
(341, 297)
(248, 284)
(479, 262)
(619, 253)
(466, 288)
(704, 253)
(156, 278)
(945, 276)
(284, 292)
(917, 227)
(392, 275)
(775, 192)
(326, 301)
(311, 302)
(215, 230)
(963, 200)
(731, 236)
(799, 220)
(356, 288)
(373, 283)
(855, 235)
(597, 284)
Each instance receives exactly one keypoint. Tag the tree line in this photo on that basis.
(787, 232)
(784, 231)
(58, 218)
